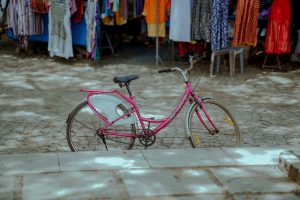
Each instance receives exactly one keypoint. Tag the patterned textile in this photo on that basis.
(22, 19)
(246, 23)
(219, 24)
(96, 39)
(201, 18)
(89, 16)
(40, 6)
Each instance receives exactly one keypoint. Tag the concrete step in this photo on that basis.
(289, 163)
(212, 173)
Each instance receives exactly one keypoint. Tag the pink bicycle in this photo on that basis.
(111, 120)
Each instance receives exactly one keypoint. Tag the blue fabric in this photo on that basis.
(219, 24)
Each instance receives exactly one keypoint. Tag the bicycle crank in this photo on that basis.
(147, 140)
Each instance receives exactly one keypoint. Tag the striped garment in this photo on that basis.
(22, 19)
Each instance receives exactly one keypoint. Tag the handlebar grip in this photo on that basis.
(166, 70)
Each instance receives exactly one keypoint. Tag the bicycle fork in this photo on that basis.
(213, 130)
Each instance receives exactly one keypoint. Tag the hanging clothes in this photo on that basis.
(246, 23)
(121, 15)
(60, 36)
(201, 20)
(40, 6)
(77, 16)
(89, 16)
(180, 20)
(114, 12)
(96, 41)
(139, 7)
(22, 19)
(73, 7)
(3, 4)
(150, 8)
(219, 24)
(278, 32)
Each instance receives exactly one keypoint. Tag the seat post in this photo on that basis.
(128, 89)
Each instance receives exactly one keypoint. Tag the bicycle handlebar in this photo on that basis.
(192, 60)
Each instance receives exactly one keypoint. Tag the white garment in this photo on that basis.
(60, 35)
(180, 20)
(89, 16)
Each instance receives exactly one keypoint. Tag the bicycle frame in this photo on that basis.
(162, 123)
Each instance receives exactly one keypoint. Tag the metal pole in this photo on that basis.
(157, 50)
(157, 42)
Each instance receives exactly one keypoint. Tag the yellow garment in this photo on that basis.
(161, 30)
(109, 21)
(120, 18)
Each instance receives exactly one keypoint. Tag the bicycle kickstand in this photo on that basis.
(104, 141)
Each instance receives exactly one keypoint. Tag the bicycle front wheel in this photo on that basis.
(202, 134)
(82, 127)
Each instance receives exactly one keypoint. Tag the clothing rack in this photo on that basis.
(157, 57)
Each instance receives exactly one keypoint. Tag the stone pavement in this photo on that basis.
(212, 173)
(38, 93)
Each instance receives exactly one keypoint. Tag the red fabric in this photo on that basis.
(40, 6)
(184, 48)
(77, 16)
(278, 32)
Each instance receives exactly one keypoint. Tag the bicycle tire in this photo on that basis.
(200, 136)
(82, 126)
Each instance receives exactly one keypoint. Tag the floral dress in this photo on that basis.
(219, 24)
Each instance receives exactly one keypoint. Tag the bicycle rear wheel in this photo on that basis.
(228, 134)
(82, 126)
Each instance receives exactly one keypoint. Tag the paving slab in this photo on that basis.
(73, 185)
(6, 187)
(70, 161)
(168, 182)
(267, 197)
(256, 180)
(188, 158)
(185, 197)
(255, 156)
(28, 163)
